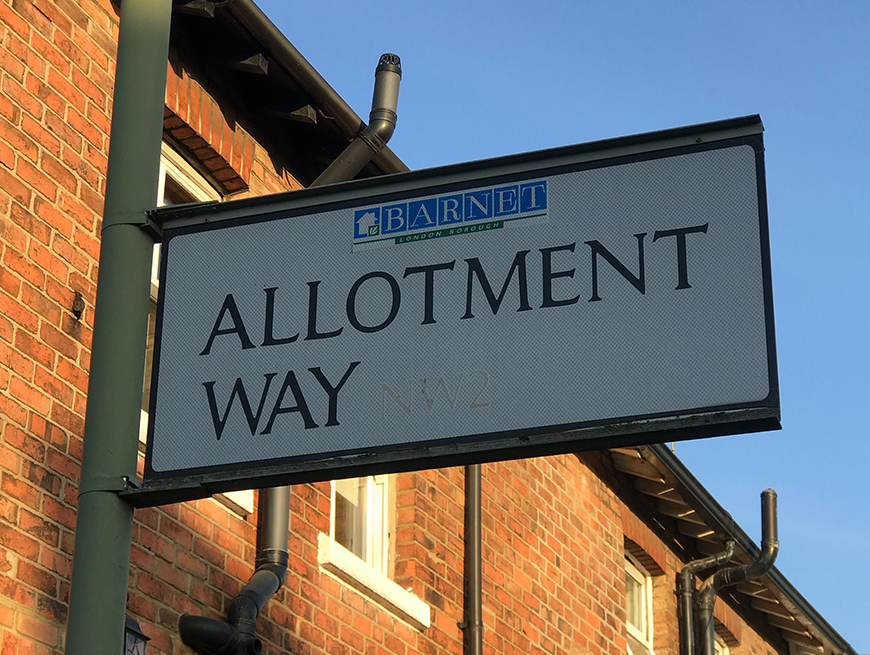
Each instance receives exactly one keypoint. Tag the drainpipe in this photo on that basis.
(374, 136)
(473, 624)
(686, 594)
(735, 575)
(237, 635)
(104, 522)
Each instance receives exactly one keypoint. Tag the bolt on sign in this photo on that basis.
(590, 296)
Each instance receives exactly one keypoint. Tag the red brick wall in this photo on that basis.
(57, 62)
(56, 67)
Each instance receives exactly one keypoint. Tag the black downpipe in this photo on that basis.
(238, 634)
(686, 594)
(473, 624)
(735, 575)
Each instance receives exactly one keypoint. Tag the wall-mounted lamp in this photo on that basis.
(135, 641)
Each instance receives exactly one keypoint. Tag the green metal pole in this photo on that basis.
(104, 523)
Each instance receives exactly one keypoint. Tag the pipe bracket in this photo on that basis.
(107, 483)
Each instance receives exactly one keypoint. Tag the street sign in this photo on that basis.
(597, 295)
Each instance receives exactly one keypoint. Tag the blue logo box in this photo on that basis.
(500, 202)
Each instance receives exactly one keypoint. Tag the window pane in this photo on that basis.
(634, 602)
(149, 355)
(350, 515)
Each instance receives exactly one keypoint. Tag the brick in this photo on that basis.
(64, 132)
(14, 22)
(72, 373)
(47, 432)
(31, 224)
(81, 168)
(59, 341)
(76, 14)
(9, 110)
(93, 199)
(29, 395)
(99, 119)
(59, 512)
(84, 84)
(175, 532)
(13, 410)
(153, 588)
(38, 630)
(7, 156)
(84, 127)
(13, 187)
(58, 171)
(37, 180)
(35, 18)
(194, 565)
(22, 97)
(57, 562)
(97, 157)
(209, 553)
(10, 460)
(52, 609)
(40, 303)
(50, 53)
(16, 362)
(166, 572)
(18, 542)
(69, 420)
(53, 386)
(32, 348)
(11, 65)
(156, 544)
(97, 55)
(71, 51)
(54, 103)
(39, 528)
(16, 237)
(53, 217)
(59, 462)
(205, 595)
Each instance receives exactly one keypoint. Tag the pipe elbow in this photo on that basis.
(207, 636)
(379, 130)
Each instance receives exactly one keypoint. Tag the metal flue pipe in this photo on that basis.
(686, 594)
(735, 575)
(374, 136)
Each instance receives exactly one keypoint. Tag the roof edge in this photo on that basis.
(726, 524)
(286, 55)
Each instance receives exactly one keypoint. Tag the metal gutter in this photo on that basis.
(723, 522)
(325, 97)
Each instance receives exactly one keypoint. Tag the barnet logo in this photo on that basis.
(449, 214)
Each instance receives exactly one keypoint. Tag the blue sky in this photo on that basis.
(483, 79)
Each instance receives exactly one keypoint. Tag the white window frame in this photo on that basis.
(640, 641)
(376, 528)
(191, 181)
(370, 577)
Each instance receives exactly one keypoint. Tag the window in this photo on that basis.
(179, 183)
(359, 519)
(720, 647)
(638, 607)
(357, 548)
